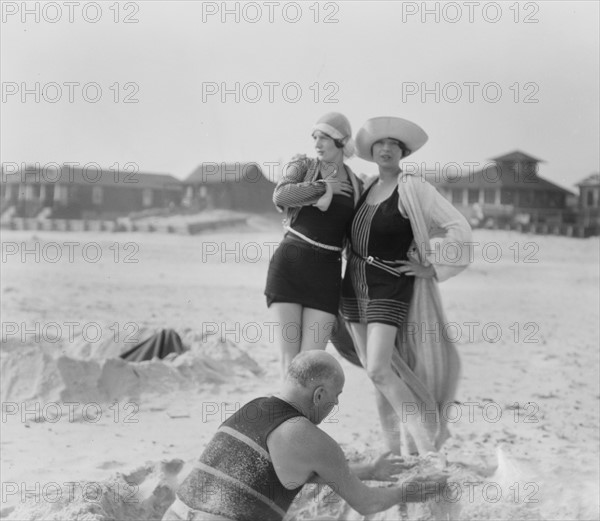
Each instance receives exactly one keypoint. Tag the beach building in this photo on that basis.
(589, 201)
(508, 189)
(234, 186)
(88, 192)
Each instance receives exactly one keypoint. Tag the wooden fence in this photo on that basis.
(78, 225)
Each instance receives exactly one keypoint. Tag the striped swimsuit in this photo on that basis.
(370, 294)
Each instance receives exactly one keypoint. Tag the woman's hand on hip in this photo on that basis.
(414, 269)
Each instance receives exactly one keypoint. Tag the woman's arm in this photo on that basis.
(452, 254)
(431, 215)
(292, 191)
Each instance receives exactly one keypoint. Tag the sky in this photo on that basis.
(166, 86)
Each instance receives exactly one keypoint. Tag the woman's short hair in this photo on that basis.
(336, 142)
(401, 144)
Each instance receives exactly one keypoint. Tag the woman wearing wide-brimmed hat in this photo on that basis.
(390, 299)
(304, 278)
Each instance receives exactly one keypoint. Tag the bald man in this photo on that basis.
(259, 459)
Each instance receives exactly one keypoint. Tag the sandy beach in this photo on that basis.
(525, 427)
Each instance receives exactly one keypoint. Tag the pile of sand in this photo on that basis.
(507, 489)
(146, 493)
(109, 345)
(41, 373)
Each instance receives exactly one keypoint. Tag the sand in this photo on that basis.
(117, 437)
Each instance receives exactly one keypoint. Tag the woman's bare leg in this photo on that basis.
(380, 345)
(317, 327)
(390, 423)
(407, 442)
(288, 331)
(358, 332)
(452, 376)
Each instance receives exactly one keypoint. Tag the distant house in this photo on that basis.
(68, 192)
(508, 189)
(589, 201)
(235, 186)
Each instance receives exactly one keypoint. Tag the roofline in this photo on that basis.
(219, 165)
(456, 184)
(47, 174)
(588, 180)
(517, 152)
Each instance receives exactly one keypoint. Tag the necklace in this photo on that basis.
(328, 170)
(335, 172)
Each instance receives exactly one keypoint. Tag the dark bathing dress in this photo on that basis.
(302, 273)
(370, 294)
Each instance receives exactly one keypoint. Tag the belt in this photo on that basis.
(310, 241)
(374, 261)
(190, 514)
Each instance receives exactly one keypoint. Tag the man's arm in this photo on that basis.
(301, 452)
(384, 468)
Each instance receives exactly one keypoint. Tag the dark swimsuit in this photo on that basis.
(302, 273)
(370, 294)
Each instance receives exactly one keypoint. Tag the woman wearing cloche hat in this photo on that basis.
(390, 299)
(305, 273)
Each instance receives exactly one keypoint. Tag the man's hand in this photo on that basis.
(386, 467)
(422, 488)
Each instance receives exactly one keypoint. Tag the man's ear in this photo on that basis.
(318, 394)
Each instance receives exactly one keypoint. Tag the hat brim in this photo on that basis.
(411, 134)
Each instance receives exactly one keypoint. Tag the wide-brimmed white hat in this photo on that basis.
(411, 134)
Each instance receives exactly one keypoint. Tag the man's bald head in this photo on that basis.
(313, 368)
